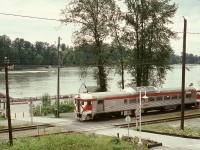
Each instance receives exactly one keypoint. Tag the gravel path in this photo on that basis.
(28, 133)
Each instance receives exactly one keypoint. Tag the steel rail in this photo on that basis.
(26, 128)
(154, 121)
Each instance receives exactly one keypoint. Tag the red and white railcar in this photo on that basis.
(125, 102)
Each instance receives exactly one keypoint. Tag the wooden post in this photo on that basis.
(8, 103)
(183, 75)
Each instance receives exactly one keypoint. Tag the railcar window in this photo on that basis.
(174, 96)
(166, 97)
(125, 101)
(82, 103)
(188, 95)
(89, 103)
(75, 101)
(132, 101)
(100, 101)
(151, 99)
(159, 98)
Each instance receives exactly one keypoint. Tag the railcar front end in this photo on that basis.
(83, 106)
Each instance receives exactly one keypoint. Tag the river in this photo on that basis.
(32, 83)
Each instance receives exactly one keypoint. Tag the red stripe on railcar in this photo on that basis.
(121, 97)
(86, 100)
(149, 95)
(87, 107)
(163, 94)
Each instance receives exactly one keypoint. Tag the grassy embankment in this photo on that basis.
(190, 129)
(74, 141)
(169, 128)
(169, 114)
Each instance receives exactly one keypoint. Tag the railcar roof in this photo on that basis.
(135, 91)
(101, 95)
(189, 88)
(148, 89)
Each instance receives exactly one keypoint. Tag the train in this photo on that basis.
(91, 105)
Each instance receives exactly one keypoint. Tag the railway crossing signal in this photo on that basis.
(128, 120)
(137, 112)
(137, 116)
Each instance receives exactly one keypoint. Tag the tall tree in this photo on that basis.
(149, 20)
(95, 18)
(5, 44)
(19, 45)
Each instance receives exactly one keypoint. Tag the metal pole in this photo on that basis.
(58, 82)
(128, 130)
(183, 75)
(40, 109)
(8, 103)
(122, 65)
(140, 141)
(31, 110)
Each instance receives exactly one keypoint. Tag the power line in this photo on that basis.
(31, 17)
(189, 32)
(53, 19)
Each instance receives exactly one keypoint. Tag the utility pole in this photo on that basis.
(31, 110)
(122, 66)
(183, 75)
(58, 82)
(8, 102)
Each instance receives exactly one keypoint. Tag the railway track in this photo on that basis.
(26, 128)
(125, 125)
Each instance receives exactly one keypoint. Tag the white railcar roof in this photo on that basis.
(177, 89)
(128, 92)
(147, 89)
(102, 95)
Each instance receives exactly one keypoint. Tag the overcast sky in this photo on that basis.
(48, 31)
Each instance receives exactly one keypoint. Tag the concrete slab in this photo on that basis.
(167, 148)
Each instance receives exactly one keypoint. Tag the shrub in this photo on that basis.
(40, 110)
(46, 100)
(2, 117)
(66, 106)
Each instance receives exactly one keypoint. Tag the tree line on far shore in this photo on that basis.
(21, 52)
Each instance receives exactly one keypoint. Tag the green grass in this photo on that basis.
(169, 115)
(2, 118)
(69, 142)
(173, 128)
(3, 127)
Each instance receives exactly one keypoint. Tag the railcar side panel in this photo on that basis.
(89, 105)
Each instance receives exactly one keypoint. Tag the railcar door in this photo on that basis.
(78, 105)
(100, 105)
